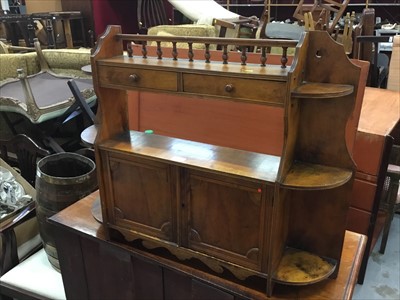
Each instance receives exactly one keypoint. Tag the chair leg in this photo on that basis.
(81, 101)
(385, 233)
(392, 202)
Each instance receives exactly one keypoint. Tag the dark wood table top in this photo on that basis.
(79, 219)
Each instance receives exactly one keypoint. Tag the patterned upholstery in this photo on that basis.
(32, 63)
(9, 63)
(3, 48)
(67, 59)
(66, 62)
(184, 30)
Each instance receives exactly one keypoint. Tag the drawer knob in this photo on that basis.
(229, 87)
(134, 78)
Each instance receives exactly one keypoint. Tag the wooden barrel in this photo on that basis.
(61, 179)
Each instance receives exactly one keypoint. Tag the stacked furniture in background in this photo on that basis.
(54, 27)
(209, 20)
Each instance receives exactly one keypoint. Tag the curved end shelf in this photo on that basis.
(322, 90)
(309, 176)
(298, 267)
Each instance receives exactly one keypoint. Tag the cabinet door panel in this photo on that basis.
(142, 196)
(204, 291)
(358, 220)
(363, 195)
(147, 280)
(177, 286)
(226, 218)
(108, 271)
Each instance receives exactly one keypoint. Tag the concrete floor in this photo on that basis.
(382, 279)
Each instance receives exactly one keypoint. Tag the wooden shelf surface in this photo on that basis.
(310, 176)
(218, 159)
(298, 267)
(322, 90)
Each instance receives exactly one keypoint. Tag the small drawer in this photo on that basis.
(131, 78)
(358, 220)
(235, 88)
(363, 195)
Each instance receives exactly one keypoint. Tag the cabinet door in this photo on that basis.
(178, 286)
(142, 196)
(205, 291)
(114, 274)
(226, 218)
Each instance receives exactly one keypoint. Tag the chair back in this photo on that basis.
(22, 152)
(347, 38)
(150, 13)
(366, 26)
(325, 8)
(379, 64)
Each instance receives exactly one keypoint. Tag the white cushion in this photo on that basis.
(203, 11)
(28, 246)
(36, 275)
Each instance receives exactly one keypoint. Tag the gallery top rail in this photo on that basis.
(263, 44)
(210, 40)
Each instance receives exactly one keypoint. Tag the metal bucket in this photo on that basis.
(61, 180)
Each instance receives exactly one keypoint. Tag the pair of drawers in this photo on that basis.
(208, 85)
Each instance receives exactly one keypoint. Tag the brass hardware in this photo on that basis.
(229, 88)
(134, 77)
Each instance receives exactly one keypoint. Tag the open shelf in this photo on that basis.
(308, 176)
(322, 90)
(230, 161)
(298, 267)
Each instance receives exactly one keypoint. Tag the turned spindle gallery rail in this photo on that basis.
(244, 44)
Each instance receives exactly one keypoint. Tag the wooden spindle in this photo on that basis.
(174, 51)
(129, 49)
(49, 30)
(243, 57)
(207, 54)
(225, 55)
(144, 49)
(263, 57)
(284, 57)
(159, 50)
(190, 51)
